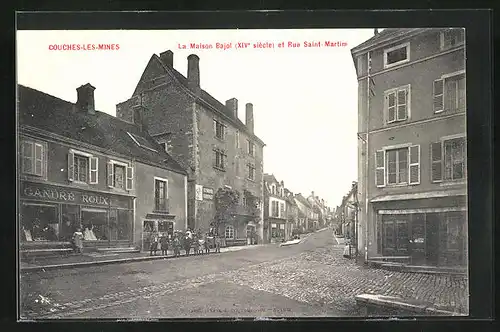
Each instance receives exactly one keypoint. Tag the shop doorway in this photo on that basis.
(418, 241)
(395, 241)
(432, 238)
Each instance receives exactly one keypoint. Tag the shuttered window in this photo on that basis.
(32, 158)
(436, 162)
(380, 168)
(449, 94)
(415, 164)
(397, 104)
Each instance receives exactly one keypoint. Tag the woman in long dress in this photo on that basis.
(78, 240)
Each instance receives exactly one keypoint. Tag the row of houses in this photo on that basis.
(287, 214)
(412, 165)
(173, 158)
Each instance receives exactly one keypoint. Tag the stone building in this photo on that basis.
(412, 146)
(79, 167)
(208, 139)
(275, 213)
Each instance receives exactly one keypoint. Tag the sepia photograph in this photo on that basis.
(241, 173)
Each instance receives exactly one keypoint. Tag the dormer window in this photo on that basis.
(397, 55)
(451, 38)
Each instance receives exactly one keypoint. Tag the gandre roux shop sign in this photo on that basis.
(63, 195)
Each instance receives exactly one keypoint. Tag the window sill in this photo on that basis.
(219, 169)
(80, 183)
(397, 185)
(396, 121)
(448, 183)
(457, 46)
(395, 64)
(252, 180)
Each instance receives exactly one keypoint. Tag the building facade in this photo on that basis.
(79, 167)
(305, 212)
(292, 211)
(412, 145)
(275, 212)
(209, 141)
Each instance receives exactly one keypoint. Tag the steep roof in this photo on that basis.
(270, 178)
(302, 200)
(386, 35)
(43, 111)
(205, 96)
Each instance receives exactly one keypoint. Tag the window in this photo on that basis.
(220, 159)
(451, 38)
(166, 146)
(237, 139)
(219, 130)
(448, 160)
(449, 93)
(275, 209)
(454, 221)
(251, 148)
(82, 167)
(229, 233)
(95, 224)
(396, 55)
(397, 104)
(397, 166)
(39, 222)
(251, 172)
(33, 161)
(282, 210)
(120, 175)
(161, 194)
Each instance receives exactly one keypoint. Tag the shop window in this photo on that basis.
(33, 158)
(69, 222)
(149, 226)
(229, 233)
(165, 226)
(161, 194)
(454, 237)
(95, 224)
(39, 222)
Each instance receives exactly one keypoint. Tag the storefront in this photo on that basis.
(50, 214)
(277, 231)
(160, 224)
(430, 232)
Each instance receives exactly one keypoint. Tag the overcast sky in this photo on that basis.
(305, 99)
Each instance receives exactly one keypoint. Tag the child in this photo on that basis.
(77, 240)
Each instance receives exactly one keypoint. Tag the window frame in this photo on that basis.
(395, 91)
(165, 181)
(441, 162)
(71, 168)
(445, 79)
(391, 49)
(409, 166)
(222, 156)
(251, 168)
(129, 174)
(250, 151)
(44, 158)
(231, 230)
(219, 124)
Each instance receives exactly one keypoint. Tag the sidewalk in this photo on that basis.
(94, 258)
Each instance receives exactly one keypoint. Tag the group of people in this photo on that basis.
(186, 241)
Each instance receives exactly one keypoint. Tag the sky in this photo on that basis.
(305, 98)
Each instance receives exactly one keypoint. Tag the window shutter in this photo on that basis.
(414, 164)
(402, 104)
(94, 164)
(436, 162)
(27, 157)
(380, 168)
(110, 174)
(71, 166)
(130, 178)
(391, 107)
(38, 169)
(438, 88)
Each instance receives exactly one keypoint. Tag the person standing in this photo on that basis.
(217, 243)
(77, 241)
(154, 244)
(164, 244)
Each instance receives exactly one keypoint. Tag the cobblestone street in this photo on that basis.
(308, 279)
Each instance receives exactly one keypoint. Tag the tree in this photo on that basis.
(224, 199)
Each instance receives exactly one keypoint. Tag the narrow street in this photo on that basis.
(308, 279)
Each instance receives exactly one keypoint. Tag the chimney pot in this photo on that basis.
(249, 117)
(85, 98)
(193, 73)
(232, 105)
(375, 32)
(167, 58)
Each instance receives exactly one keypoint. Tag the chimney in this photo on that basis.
(232, 105)
(249, 117)
(167, 58)
(85, 99)
(375, 32)
(193, 73)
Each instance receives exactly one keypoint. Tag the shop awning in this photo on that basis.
(422, 195)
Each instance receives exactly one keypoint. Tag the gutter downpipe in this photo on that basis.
(367, 153)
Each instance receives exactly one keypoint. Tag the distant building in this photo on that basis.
(275, 213)
(208, 139)
(79, 167)
(305, 213)
(292, 213)
(412, 145)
